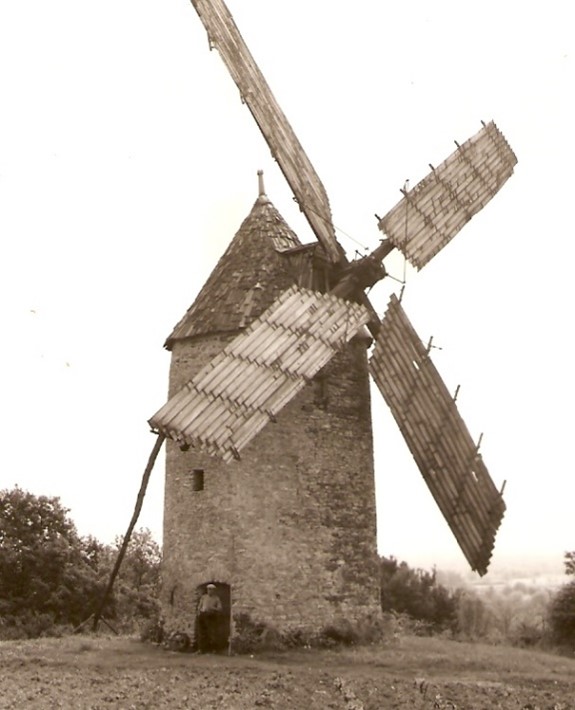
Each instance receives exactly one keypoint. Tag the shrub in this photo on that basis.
(417, 593)
(152, 629)
(179, 641)
(339, 633)
(251, 636)
(474, 619)
(569, 562)
(373, 628)
(528, 635)
(27, 624)
(562, 616)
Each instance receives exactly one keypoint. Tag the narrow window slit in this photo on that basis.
(198, 479)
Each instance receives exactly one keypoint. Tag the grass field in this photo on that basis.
(410, 673)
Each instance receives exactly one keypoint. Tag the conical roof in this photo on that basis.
(247, 279)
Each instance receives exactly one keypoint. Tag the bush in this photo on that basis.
(562, 616)
(340, 633)
(28, 624)
(179, 641)
(152, 629)
(569, 562)
(473, 620)
(417, 594)
(252, 636)
(528, 635)
(373, 628)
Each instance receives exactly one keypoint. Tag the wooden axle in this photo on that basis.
(356, 276)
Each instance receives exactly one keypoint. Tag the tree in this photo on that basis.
(27, 520)
(43, 567)
(416, 593)
(569, 561)
(137, 586)
(562, 608)
(473, 616)
(562, 615)
(141, 567)
(49, 575)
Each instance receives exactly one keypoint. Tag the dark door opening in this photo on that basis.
(220, 624)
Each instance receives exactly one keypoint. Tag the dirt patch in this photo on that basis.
(96, 672)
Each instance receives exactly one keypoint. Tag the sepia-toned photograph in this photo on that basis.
(286, 385)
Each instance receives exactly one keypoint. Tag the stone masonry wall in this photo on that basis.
(291, 527)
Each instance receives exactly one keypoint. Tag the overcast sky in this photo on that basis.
(127, 163)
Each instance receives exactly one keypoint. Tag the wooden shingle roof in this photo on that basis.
(247, 279)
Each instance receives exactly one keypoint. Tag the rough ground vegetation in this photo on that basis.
(96, 672)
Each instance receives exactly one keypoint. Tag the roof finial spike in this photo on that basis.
(261, 188)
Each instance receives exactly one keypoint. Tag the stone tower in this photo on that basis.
(287, 533)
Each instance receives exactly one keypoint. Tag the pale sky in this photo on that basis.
(127, 163)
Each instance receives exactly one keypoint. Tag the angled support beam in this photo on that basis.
(135, 515)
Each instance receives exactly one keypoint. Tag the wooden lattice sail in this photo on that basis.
(434, 211)
(286, 149)
(234, 396)
(437, 436)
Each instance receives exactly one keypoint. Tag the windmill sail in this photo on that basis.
(281, 139)
(231, 399)
(433, 212)
(437, 437)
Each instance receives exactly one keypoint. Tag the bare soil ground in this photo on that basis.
(97, 672)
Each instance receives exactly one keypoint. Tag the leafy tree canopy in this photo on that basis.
(415, 592)
(29, 520)
(42, 567)
(562, 615)
(141, 566)
(49, 575)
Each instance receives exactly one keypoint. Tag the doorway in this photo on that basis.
(221, 624)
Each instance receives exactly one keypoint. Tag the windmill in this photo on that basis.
(269, 351)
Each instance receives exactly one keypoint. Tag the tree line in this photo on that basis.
(52, 580)
(517, 614)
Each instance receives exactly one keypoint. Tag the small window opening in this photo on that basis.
(198, 479)
(321, 391)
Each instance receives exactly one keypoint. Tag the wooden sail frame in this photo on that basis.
(435, 210)
(446, 455)
(231, 399)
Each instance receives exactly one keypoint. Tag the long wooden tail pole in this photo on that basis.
(139, 502)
